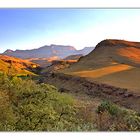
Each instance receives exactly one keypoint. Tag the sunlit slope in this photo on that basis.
(129, 79)
(114, 62)
(103, 71)
(12, 66)
(133, 54)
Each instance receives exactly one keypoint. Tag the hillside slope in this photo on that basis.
(115, 62)
(12, 65)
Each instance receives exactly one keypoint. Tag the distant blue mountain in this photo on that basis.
(48, 51)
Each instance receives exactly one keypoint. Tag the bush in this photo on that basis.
(36, 107)
(107, 106)
(118, 118)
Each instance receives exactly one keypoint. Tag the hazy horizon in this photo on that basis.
(24, 29)
(46, 45)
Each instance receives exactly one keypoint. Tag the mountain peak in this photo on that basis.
(8, 51)
(117, 43)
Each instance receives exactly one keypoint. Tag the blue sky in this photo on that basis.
(32, 28)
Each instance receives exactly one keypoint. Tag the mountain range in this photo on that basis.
(57, 51)
(114, 62)
(104, 82)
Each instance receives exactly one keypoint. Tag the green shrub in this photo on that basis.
(120, 119)
(107, 106)
(36, 107)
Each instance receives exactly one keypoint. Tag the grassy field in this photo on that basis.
(120, 75)
(103, 71)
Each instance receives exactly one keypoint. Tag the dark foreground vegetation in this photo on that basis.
(28, 106)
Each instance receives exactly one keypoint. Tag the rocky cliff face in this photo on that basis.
(59, 51)
(43, 52)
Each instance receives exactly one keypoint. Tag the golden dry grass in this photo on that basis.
(102, 71)
(114, 62)
(129, 79)
(14, 65)
(131, 53)
(120, 75)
